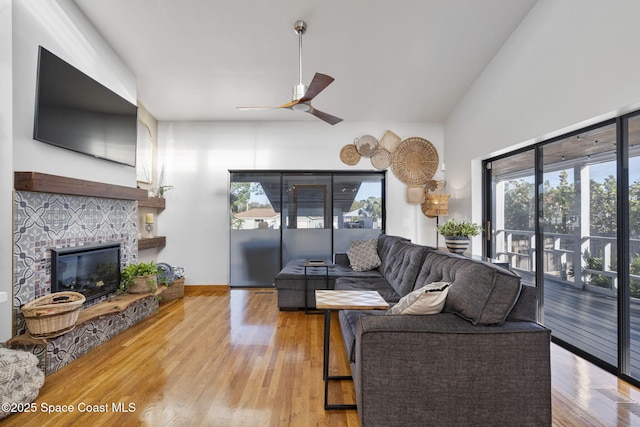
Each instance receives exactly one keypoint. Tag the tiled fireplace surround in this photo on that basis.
(43, 221)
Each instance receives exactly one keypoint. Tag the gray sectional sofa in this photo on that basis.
(483, 360)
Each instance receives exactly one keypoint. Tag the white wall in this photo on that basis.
(570, 63)
(6, 181)
(58, 26)
(198, 155)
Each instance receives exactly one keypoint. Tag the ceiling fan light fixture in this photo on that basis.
(298, 91)
(301, 107)
(301, 94)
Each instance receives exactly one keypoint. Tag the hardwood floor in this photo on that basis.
(230, 358)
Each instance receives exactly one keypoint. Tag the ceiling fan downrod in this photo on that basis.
(300, 27)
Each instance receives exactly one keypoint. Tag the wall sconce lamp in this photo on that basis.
(436, 203)
(148, 220)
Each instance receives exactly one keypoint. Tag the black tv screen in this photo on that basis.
(75, 112)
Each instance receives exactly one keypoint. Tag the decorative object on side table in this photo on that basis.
(140, 278)
(456, 234)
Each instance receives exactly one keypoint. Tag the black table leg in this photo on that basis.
(325, 368)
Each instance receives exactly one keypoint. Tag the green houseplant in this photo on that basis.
(139, 278)
(456, 234)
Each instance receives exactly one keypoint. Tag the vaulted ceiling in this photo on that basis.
(398, 61)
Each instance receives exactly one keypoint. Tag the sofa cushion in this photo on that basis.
(384, 247)
(428, 299)
(438, 266)
(348, 326)
(363, 255)
(403, 265)
(482, 293)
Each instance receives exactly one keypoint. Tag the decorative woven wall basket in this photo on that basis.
(54, 314)
(390, 141)
(175, 291)
(381, 159)
(415, 194)
(367, 145)
(349, 155)
(415, 161)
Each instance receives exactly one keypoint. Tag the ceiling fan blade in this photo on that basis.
(318, 84)
(287, 105)
(332, 120)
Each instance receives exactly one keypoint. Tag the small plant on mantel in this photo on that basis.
(139, 278)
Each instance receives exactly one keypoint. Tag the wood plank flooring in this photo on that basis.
(230, 358)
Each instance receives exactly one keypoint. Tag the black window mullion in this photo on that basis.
(624, 323)
(539, 232)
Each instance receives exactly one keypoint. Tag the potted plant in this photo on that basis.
(140, 278)
(456, 234)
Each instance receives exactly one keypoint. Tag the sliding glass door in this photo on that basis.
(254, 235)
(276, 217)
(512, 220)
(631, 245)
(565, 214)
(358, 212)
(306, 209)
(578, 211)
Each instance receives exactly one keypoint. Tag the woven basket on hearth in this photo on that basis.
(54, 314)
(175, 291)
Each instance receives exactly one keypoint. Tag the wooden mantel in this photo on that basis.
(45, 183)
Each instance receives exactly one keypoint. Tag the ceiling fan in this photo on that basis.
(302, 95)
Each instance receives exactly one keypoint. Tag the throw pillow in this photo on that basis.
(429, 299)
(363, 255)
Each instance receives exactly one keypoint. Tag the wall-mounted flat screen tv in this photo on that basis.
(75, 112)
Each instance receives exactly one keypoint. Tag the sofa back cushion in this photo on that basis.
(480, 292)
(384, 247)
(403, 265)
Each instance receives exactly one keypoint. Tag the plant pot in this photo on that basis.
(144, 284)
(457, 244)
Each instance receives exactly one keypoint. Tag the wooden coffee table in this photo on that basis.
(329, 300)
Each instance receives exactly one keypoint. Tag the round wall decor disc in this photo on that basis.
(381, 159)
(349, 155)
(415, 161)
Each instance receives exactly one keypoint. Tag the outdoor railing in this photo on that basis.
(590, 259)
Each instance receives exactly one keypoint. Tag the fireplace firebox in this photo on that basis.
(93, 270)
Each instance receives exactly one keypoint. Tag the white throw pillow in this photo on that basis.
(363, 255)
(429, 299)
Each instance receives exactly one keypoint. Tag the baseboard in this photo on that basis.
(191, 289)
